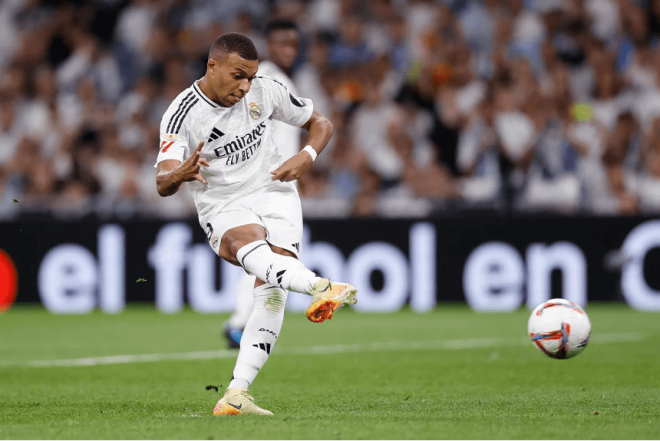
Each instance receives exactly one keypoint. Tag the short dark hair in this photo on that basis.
(276, 25)
(233, 42)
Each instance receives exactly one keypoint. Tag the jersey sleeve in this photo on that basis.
(287, 107)
(173, 137)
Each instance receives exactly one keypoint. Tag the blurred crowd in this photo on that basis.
(439, 107)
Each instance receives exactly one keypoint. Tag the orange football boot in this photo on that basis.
(327, 297)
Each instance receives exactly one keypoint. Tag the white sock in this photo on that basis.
(260, 334)
(238, 383)
(286, 272)
(244, 302)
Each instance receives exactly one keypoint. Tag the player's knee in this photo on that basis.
(236, 238)
(230, 245)
(226, 254)
(228, 248)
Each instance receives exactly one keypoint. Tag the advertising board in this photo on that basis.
(493, 264)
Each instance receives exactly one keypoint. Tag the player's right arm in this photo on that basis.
(177, 162)
(171, 173)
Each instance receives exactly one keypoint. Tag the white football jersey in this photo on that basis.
(238, 140)
(286, 137)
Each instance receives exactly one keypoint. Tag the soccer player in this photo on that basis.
(283, 46)
(216, 136)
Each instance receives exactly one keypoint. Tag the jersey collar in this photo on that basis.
(202, 96)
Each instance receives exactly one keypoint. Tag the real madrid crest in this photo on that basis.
(255, 110)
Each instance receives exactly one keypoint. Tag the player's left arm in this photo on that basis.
(320, 131)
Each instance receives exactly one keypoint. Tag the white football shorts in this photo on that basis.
(275, 207)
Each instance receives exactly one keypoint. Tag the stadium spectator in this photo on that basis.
(440, 105)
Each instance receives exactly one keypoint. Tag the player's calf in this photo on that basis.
(284, 271)
(259, 338)
(260, 334)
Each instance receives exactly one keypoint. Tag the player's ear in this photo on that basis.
(211, 65)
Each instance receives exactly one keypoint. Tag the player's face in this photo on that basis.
(283, 47)
(231, 78)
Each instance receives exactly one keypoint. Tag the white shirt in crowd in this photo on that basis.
(286, 136)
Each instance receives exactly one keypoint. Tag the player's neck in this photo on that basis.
(208, 92)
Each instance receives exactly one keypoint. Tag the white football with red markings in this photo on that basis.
(559, 328)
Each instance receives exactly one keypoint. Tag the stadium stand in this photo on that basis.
(447, 106)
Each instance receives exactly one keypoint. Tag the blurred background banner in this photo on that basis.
(494, 264)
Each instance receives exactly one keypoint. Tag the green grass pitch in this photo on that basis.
(450, 374)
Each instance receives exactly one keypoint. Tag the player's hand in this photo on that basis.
(189, 169)
(293, 168)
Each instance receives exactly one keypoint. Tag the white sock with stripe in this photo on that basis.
(286, 272)
(260, 334)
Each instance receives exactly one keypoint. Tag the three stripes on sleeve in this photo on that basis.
(184, 107)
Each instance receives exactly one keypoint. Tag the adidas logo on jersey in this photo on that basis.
(242, 147)
(215, 134)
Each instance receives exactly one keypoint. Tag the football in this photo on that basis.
(559, 328)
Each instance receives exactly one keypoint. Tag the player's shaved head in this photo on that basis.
(233, 43)
(232, 65)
